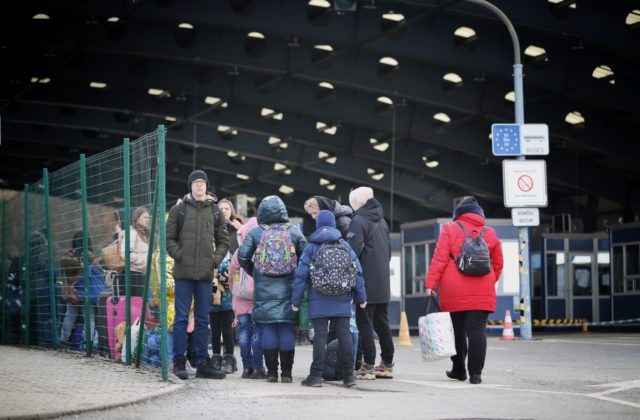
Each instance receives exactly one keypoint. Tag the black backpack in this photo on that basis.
(473, 259)
(182, 208)
(332, 272)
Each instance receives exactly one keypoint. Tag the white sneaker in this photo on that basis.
(191, 371)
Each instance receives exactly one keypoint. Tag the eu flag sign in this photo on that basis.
(505, 139)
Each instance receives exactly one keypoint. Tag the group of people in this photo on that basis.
(72, 270)
(206, 235)
(201, 237)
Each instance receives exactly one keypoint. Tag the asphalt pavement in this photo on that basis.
(555, 376)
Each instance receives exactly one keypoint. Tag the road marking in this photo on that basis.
(554, 340)
(617, 387)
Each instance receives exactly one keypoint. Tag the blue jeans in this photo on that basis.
(279, 336)
(250, 341)
(200, 292)
(70, 317)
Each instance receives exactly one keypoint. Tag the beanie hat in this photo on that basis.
(197, 174)
(325, 218)
(359, 197)
(469, 204)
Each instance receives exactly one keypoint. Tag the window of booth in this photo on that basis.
(604, 274)
(582, 275)
(416, 264)
(618, 269)
(626, 268)
(536, 274)
(555, 274)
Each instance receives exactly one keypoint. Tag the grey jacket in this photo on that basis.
(193, 247)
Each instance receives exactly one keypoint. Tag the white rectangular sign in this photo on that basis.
(534, 139)
(524, 183)
(525, 217)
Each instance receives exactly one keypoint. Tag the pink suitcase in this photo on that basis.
(116, 314)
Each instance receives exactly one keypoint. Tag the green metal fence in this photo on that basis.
(57, 288)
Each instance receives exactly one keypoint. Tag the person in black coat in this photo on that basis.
(341, 212)
(369, 237)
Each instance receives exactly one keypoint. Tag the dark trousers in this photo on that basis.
(221, 323)
(470, 326)
(374, 317)
(345, 345)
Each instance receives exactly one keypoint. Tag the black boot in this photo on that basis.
(271, 360)
(180, 368)
(207, 370)
(286, 361)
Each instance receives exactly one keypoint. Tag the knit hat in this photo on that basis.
(197, 174)
(359, 197)
(325, 218)
(469, 204)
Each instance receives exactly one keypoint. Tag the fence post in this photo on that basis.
(127, 246)
(88, 338)
(5, 300)
(27, 269)
(51, 263)
(163, 253)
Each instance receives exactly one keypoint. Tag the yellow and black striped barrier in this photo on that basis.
(544, 322)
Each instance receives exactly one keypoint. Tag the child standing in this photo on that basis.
(249, 333)
(270, 252)
(221, 317)
(323, 307)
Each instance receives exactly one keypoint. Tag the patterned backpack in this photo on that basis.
(332, 272)
(276, 254)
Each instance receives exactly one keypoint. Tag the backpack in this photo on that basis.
(275, 254)
(332, 272)
(473, 259)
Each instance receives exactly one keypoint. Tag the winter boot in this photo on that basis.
(229, 363)
(286, 360)
(312, 381)
(259, 374)
(384, 370)
(180, 368)
(271, 360)
(207, 370)
(246, 373)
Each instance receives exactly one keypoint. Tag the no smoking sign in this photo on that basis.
(525, 183)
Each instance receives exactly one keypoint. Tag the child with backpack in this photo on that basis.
(249, 333)
(270, 253)
(331, 270)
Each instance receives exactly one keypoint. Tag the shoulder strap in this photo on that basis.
(484, 228)
(466, 234)
(182, 208)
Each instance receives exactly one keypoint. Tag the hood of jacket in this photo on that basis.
(188, 198)
(272, 210)
(246, 228)
(325, 234)
(371, 210)
(472, 218)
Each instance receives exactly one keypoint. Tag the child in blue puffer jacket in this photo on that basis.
(329, 305)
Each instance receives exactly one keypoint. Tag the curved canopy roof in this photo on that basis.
(295, 98)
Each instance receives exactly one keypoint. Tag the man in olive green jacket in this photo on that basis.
(197, 240)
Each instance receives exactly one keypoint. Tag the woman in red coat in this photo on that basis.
(469, 299)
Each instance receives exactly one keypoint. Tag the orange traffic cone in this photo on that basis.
(507, 331)
(404, 339)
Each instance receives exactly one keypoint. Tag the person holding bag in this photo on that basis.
(469, 298)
